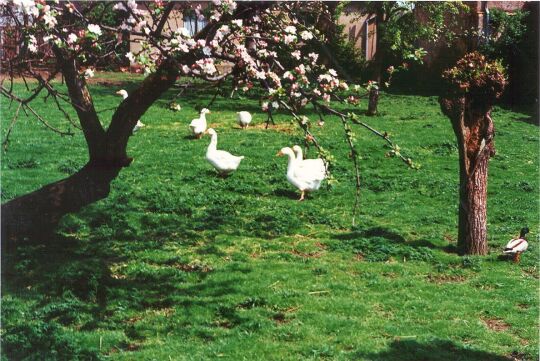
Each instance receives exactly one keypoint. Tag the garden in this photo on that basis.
(152, 254)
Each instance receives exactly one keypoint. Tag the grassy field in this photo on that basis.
(179, 264)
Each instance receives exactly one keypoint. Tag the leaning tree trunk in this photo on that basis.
(34, 216)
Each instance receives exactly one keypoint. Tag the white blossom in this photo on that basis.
(27, 6)
(95, 29)
(207, 51)
(237, 22)
(332, 72)
(72, 38)
(119, 7)
(306, 35)
(290, 29)
(296, 54)
(131, 57)
(32, 44)
(50, 20)
(89, 73)
(289, 39)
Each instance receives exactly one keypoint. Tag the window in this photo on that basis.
(370, 38)
(193, 24)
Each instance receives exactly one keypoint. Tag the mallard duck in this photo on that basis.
(124, 95)
(517, 246)
(305, 177)
(224, 162)
(198, 125)
(244, 118)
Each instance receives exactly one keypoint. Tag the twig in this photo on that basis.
(354, 155)
(5, 143)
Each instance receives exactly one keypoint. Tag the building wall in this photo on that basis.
(359, 28)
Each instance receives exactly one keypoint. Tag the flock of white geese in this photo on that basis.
(305, 174)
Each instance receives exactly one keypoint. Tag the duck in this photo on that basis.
(306, 177)
(124, 95)
(244, 118)
(198, 125)
(224, 162)
(312, 164)
(517, 246)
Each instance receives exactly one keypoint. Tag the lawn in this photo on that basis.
(179, 264)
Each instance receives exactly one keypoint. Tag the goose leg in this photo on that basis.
(302, 196)
(517, 257)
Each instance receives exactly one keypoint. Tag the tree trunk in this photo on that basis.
(474, 133)
(373, 102)
(34, 216)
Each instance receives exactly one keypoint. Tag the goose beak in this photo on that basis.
(118, 92)
(279, 154)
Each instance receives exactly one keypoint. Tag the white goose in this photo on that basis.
(198, 125)
(124, 95)
(314, 165)
(306, 178)
(224, 162)
(517, 246)
(244, 118)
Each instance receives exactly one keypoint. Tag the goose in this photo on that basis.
(311, 164)
(224, 162)
(198, 125)
(244, 118)
(124, 95)
(517, 246)
(304, 177)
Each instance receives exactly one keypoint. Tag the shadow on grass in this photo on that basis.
(379, 244)
(77, 284)
(437, 350)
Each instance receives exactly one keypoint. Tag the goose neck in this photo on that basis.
(213, 143)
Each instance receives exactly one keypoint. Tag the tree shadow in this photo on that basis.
(286, 193)
(74, 283)
(436, 350)
(371, 233)
(530, 120)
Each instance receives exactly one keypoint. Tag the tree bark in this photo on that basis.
(474, 132)
(373, 102)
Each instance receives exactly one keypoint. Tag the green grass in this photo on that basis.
(178, 264)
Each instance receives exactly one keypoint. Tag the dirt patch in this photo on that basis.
(280, 318)
(443, 278)
(306, 255)
(496, 324)
(359, 257)
(523, 306)
(193, 267)
(517, 356)
(281, 127)
(531, 272)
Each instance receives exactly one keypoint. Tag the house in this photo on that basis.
(361, 29)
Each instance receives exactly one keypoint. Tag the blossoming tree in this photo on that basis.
(263, 43)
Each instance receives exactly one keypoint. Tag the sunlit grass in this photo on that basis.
(179, 264)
